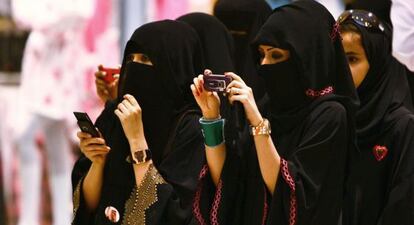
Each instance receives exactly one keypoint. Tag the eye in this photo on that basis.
(145, 59)
(276, 55)
(352, 59)
(130, 58)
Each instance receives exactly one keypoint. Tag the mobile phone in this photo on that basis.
(85, 124)
(109, 73)
(216, 82)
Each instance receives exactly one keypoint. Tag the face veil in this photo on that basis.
(317, 63)
(162, 90)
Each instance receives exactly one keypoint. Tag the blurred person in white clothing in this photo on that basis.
(51, 79)
(402, 17)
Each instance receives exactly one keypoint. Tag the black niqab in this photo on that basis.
(317, 60)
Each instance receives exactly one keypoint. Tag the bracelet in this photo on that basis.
(213, 131)
(263, 128)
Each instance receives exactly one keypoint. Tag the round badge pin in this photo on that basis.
(112, 214)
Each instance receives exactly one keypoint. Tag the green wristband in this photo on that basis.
(213, 131)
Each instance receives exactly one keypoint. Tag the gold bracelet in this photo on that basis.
(262, 129)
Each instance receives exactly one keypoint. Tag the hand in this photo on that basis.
(95, 149)
(130, 114)
(239, 91)
(208, 101)
(104, 90)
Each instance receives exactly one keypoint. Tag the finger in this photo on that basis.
(102, 91)
(195, 85)
(93, 152)
(93, 141)
(100, 87)
(236, 84)
(123, 108)
(131, 99)
(95, 148)
(114, 84)
(207, 72)
(128, 105)
(200, 86)
(195, 91)
(200, 79)
(96, 154)
(234, 76)
(237, 91)
(238, 98)
(100, 81)
(100, 74)
(119, 114)
(81, 134)
(116, 76)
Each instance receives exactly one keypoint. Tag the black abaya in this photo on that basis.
(312, 104)
(380, 188)
(172, 131)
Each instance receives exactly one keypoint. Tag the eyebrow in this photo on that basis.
(352, 53)
(266, 50)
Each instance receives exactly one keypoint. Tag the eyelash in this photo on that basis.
(352, 59)
(145, 58)
(276, 55)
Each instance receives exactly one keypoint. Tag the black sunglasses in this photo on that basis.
(362, 18)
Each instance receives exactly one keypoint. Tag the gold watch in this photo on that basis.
(140, 156)
(262, 129)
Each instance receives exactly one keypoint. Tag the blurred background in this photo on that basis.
(49, 51)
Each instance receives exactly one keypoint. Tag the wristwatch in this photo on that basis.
(262, 129)
(140, 156)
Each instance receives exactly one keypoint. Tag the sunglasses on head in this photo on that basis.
(362, 18)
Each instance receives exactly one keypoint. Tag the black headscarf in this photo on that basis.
(163, 92)
(384, 88)
(216, 41)
(244, 18)
(317, 70)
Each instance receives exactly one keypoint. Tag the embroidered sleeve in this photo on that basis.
(143, 197)
(215, 204)
(77, 197)
(196, 203)
(291, 183)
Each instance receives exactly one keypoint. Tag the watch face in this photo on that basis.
(139, 156)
